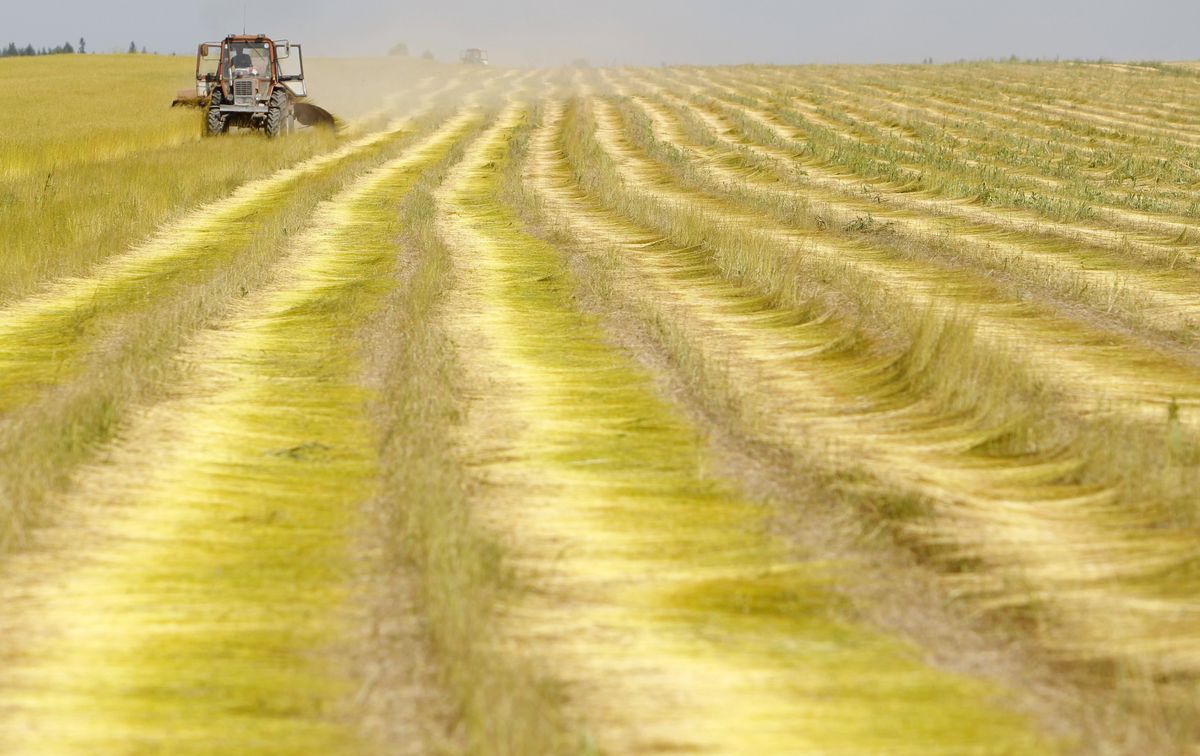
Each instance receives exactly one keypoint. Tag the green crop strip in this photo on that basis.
(1142, 294)
(948, 137)
(450, 566)
(123, 356)
(831, 150)
(200, 607)
(832, 144)
(42, 336)
(1014, 528)
(1136, 381)
(680, 622)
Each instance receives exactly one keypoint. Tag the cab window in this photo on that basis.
(249, 59)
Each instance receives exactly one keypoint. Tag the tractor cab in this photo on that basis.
(247, 68)
(248, 61)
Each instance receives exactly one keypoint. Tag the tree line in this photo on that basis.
(12, 51)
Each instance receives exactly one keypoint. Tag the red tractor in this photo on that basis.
(252, 82)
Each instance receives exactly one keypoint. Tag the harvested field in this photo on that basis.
(848, 409)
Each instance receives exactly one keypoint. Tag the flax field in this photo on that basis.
(747, 410)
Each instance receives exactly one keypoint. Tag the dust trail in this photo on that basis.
(412, 103)
(674, 620)
(193, 597)
(443, 91)
(1106, 582)
(41, 335)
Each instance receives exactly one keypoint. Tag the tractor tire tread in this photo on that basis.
(277, 114)
(215, 123)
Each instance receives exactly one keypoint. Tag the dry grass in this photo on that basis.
(72, 372)
(988, 410)
(1139, 292)
(661, 601)
(429, 513)
(214, 542)
(339, 380)
(98, 167)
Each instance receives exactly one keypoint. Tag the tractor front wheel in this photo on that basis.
(278, 114)
(216, 123)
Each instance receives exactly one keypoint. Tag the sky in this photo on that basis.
(636, 32)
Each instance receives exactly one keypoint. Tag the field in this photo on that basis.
(848, 409)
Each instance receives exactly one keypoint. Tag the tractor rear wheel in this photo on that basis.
(278, 113)
(216, 122)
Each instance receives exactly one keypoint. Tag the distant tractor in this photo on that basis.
(475, 57)
(252, 82)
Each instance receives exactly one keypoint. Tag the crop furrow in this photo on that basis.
(662, 605)
(1151, 235)
(1160, 218)
(1144, 255)
(1053, 136)
(918, 147)
(42, 335)
(1055, 129)
(1120, 121)
(197, 596)
(1102, 371)
(74, 359)
(1103, 579)
(1085, 101)
(909, 127)
(413, 102)
(1154, 298)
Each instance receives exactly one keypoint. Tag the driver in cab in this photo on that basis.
(242, 62)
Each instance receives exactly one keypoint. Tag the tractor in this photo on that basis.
(252, 82)
(474, 57)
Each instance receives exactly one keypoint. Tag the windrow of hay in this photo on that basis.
(449, 571)
(74, 359)
(941, 180)
(1136, 293)
(1093, 169)
(1104, 371)
(672, 619)
(41, 335)
(1007, 512)
(194, 597)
